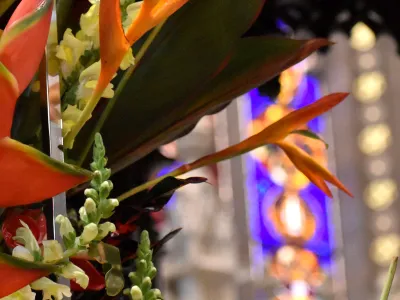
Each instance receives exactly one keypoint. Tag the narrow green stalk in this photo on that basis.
(83, 118)
(389, 281)
(118, 91)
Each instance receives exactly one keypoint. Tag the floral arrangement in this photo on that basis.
(141, 73)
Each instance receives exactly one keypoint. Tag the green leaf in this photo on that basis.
(310, 134)
(109, 256)
(191, 48)
(27, 119)
(115, 281)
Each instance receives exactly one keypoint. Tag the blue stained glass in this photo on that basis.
(263, 191)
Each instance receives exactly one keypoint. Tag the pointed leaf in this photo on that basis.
(29, 176)
(19, 273)
(310, 134)
(313, 170)
(22, 46)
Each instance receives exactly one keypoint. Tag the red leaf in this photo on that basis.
(34, 218)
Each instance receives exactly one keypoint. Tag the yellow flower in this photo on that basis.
(87, 83)
(89, 23)
(132, 12)
(70, 116)
(52, 251)
(128, 60)
(69, 51)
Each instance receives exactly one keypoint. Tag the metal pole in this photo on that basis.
(52, 127)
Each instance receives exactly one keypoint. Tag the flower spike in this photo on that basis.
(25, 36)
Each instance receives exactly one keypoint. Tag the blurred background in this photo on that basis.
(259, 229)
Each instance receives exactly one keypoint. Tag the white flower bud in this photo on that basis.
(113, 202)
(136, 293)
(66, 231)
(90, 206)
(83, 214)
(105, 229)
(89, 233)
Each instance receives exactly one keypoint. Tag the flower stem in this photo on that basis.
(118, 91)
(389, 281)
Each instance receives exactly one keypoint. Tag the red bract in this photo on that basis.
(96, 280)
(34, 218)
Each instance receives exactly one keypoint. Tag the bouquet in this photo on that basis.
(122, 78)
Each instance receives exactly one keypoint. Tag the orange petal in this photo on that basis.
(152, 12)
(294, 120)
(29, 176)
(113, 43)
(19, 273)
(313, 170)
